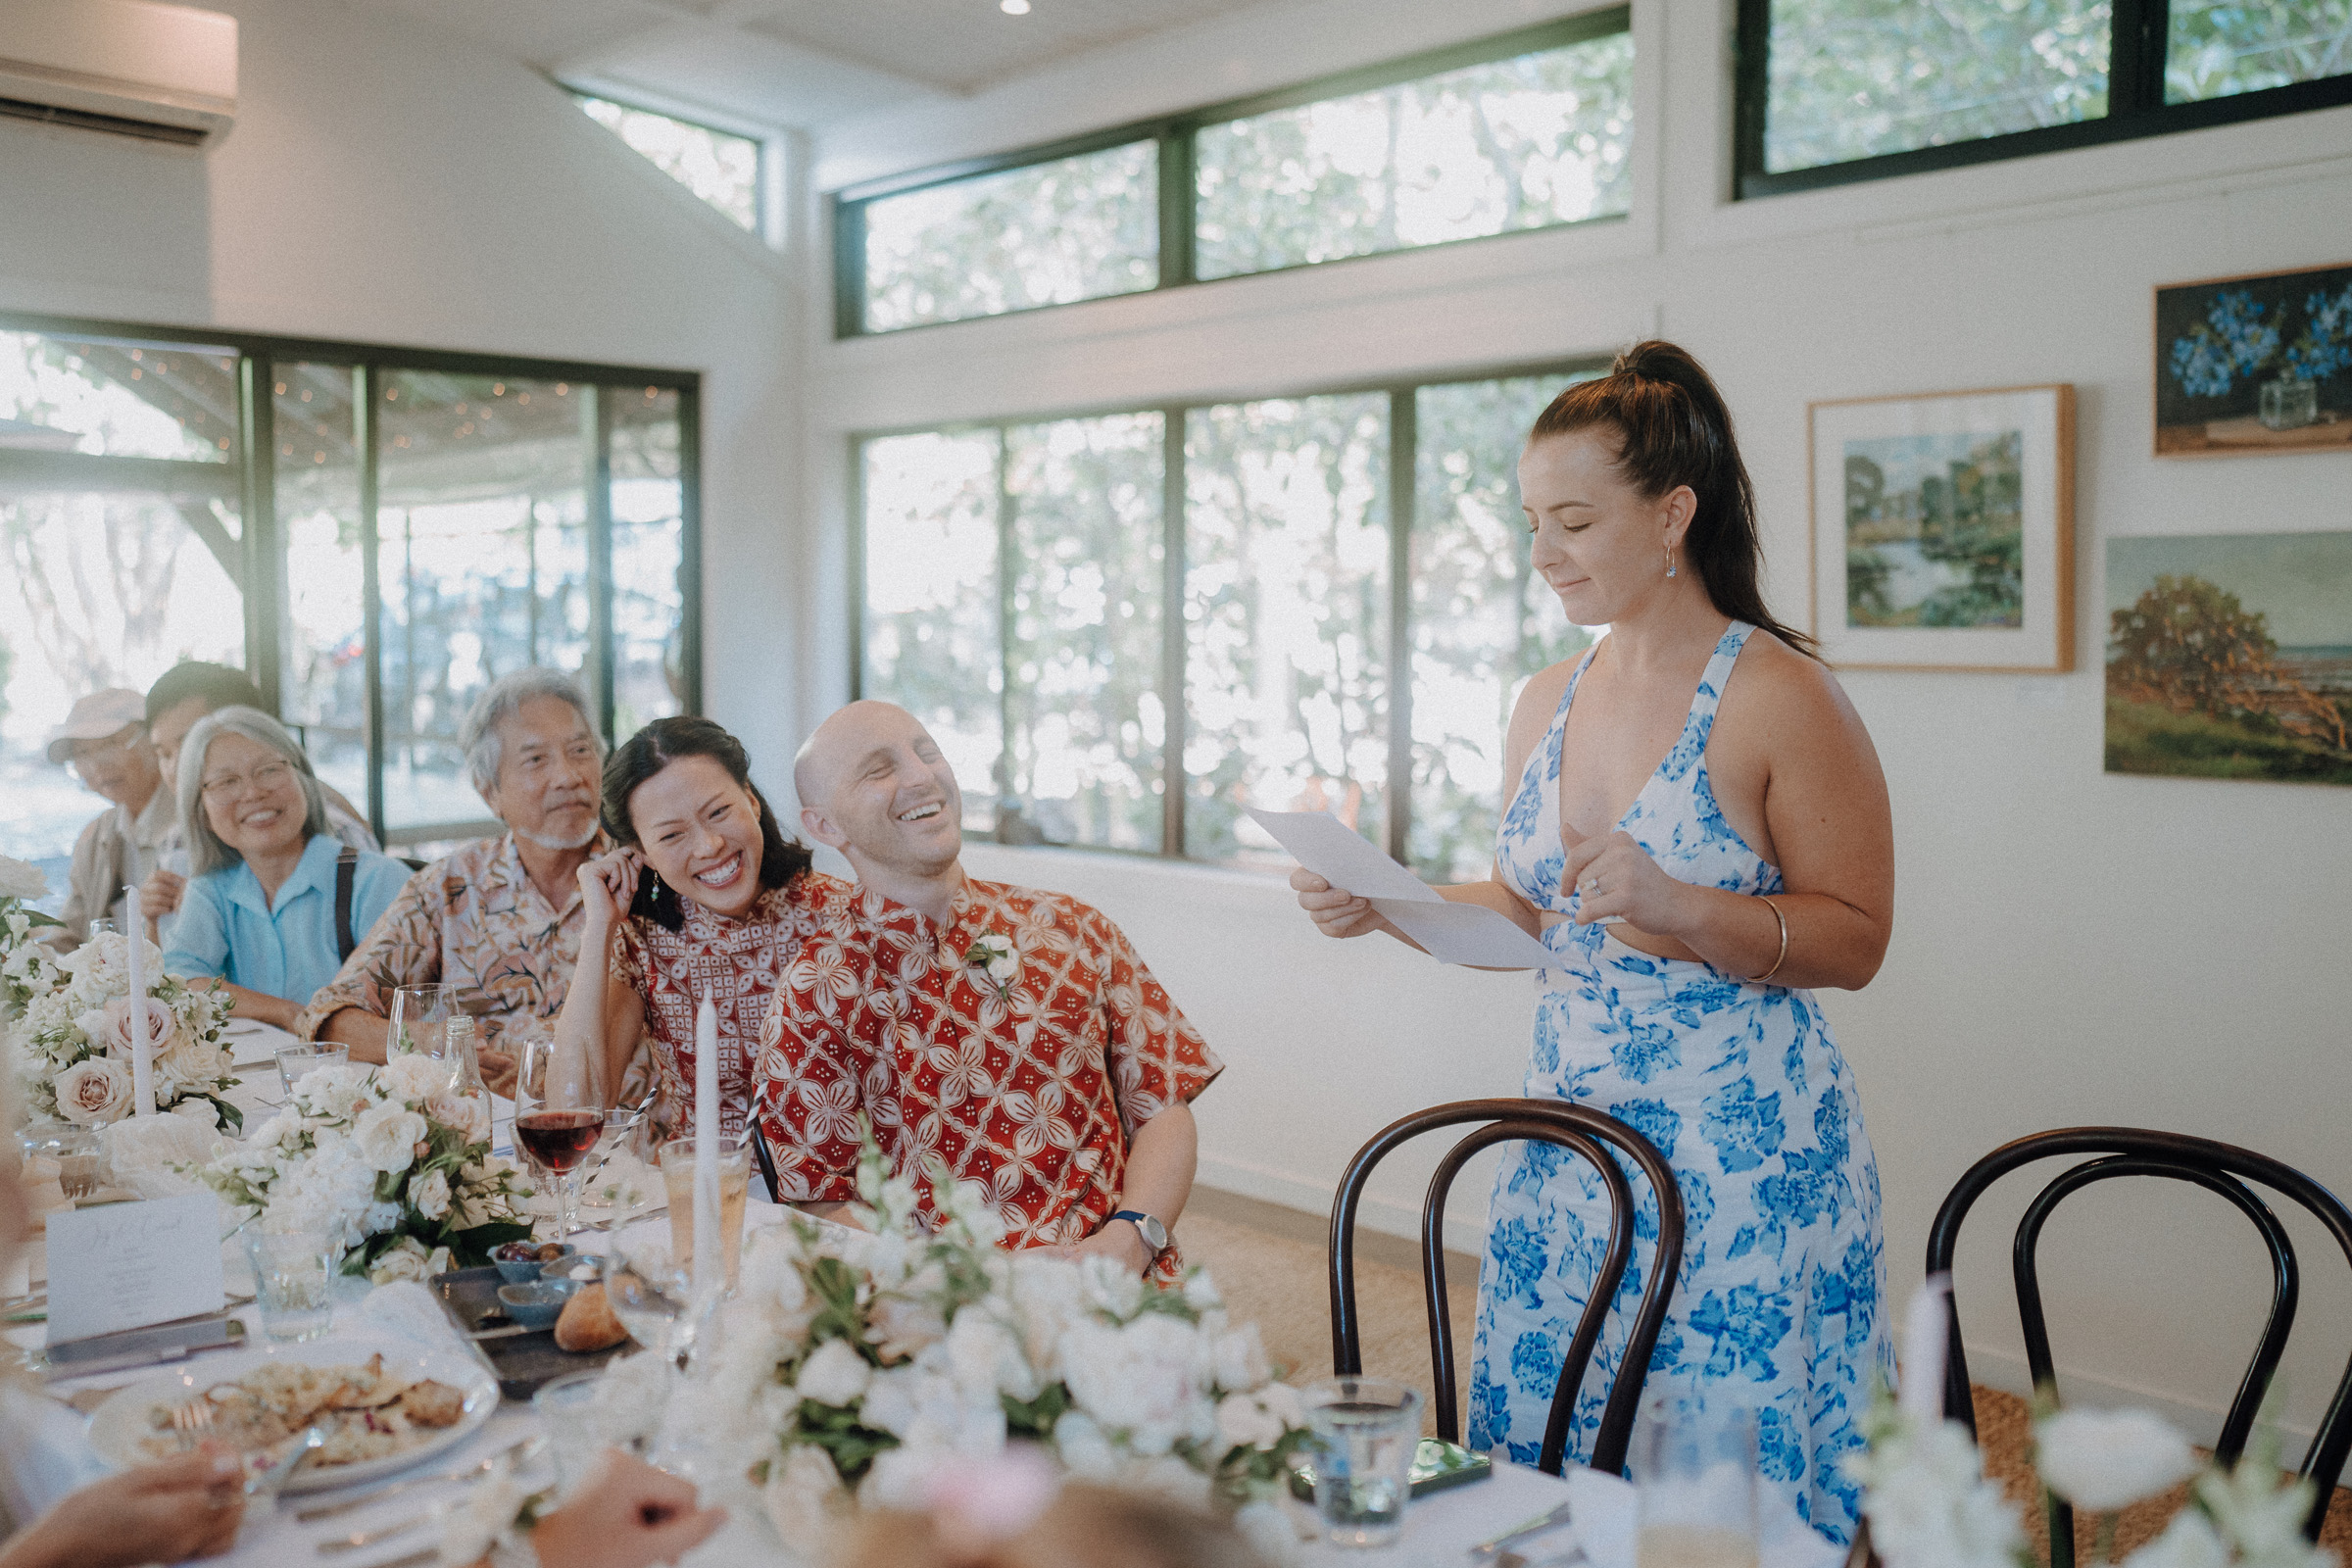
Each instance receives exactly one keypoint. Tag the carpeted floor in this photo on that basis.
(1269, 1263)
(2002, 1433)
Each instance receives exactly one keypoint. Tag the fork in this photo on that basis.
(192, 1421)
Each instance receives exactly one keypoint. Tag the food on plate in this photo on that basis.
(526, 1253)
(369, 1413)
(588, 1322)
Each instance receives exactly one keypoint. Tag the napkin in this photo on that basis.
(408, 1310)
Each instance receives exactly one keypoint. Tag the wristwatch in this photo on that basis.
(1155, 1235)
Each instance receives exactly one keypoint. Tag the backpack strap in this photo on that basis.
(347, 869)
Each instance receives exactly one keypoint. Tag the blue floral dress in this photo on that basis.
(1742, 1089)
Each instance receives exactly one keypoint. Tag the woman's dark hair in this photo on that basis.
(1675, 431)
(653, 749)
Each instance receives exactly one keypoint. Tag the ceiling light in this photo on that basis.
(1013, 8)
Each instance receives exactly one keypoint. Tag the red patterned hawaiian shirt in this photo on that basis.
(1031, 1085)
(737, 962)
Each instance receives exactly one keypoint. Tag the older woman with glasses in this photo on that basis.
(263, 911)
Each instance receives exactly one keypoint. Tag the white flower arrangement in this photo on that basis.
(1930, 1504)
(852, 1366)
(389, 1163)
(74, 1036)
(998, 961)
(25, 969)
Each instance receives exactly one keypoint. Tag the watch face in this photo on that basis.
(1155, 1235)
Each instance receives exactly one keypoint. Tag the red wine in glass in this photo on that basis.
(559, 1140)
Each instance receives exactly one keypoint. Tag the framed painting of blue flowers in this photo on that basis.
(2253, 365)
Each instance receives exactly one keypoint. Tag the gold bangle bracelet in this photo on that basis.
(1757, 980)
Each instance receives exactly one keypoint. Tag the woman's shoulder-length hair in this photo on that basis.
(207, 850)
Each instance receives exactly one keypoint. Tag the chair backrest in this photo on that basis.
(2220, 1168)
(1584, 1132)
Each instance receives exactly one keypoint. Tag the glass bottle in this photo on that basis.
(466, 1072)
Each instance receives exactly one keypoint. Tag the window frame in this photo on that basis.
(253, 464)
(764, 146)
(2138, 53)
(1403, 481)
(1179, 204)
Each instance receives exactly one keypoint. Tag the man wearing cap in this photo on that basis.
(103, 739)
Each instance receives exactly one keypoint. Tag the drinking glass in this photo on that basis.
(558, 1118)
(420, 1018)
(80, 1159)
(293, 1281)
(1365, 1432)
(1695, 1481)
(649, 1293)
(567, 1411)
(296, 1062)
(734, 1181)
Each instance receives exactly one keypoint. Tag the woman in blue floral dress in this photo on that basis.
(1691, 901)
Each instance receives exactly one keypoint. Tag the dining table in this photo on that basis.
(46, 1450)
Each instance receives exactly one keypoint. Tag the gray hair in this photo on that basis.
(207, 850)
(478, 736)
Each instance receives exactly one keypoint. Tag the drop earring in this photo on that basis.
(1670, 561)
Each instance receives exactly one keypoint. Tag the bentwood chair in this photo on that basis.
(2220, 1168)
(1583, 1132)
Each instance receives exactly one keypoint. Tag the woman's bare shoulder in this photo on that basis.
(1538, 700)
(1787, 692)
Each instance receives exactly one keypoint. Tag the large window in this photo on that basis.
(1529, 131)
(718, 165)
(374, 534)
(1125, 628)
(1837, 90)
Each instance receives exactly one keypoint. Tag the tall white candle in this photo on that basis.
(709, 1267)
(1924, 1330)
(142, 1053)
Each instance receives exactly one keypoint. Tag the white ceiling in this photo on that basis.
(798, 63)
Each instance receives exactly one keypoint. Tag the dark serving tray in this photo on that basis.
(523, 1362)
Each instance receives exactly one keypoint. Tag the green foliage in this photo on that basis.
(1856, 78)
(2221, 47)
(2151, 738)
(1035, 1418)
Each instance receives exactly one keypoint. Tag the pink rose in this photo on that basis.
(114, 1034)
(93, 1090)
(468, 1114)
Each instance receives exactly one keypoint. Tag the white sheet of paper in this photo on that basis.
(1452, 933)
(127, 1266)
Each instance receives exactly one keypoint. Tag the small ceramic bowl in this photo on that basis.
(538, 1303)
(527, 1270)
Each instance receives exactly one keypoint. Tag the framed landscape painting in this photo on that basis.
(2254, 365)
(1943, 528)
(2229, 655)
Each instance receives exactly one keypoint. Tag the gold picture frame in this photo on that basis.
(1943, 530)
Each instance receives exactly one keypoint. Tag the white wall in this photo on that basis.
(389, 183)
(2070, 947)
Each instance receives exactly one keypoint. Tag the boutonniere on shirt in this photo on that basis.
(996, 959)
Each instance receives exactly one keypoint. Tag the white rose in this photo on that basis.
(1243, 1422)
(431, 1195)
(470, 1114)
(410, 1076)
(406, 1259)
(17, 880)
(835, 1375)
(1240, 1360)
(387, 1137)
(1144, 1380)
(2104, 1459)
(2189, 1542)
(93, 1090)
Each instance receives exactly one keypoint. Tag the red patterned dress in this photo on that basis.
(737, 962)
(1032, 1088)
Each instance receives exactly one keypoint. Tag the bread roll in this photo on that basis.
(587, 1322)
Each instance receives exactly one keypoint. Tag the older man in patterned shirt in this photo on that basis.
(1013, 1034)
(499, 918)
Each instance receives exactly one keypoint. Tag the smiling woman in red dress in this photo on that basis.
(706, 895)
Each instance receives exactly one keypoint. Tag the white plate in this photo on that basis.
(118, 1425)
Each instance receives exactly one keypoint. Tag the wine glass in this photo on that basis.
(558, 1118)
(651, 1295)
(420, 1018)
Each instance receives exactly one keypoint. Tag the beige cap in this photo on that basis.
(95, 717)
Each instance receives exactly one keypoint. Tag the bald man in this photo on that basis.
(1013, 1033)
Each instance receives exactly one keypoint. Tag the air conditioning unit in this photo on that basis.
(159, 73)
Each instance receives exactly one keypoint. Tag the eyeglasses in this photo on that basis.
(264, 778)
